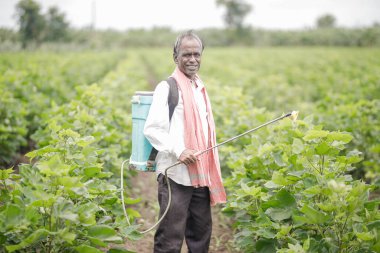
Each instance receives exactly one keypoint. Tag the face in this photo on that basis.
(189, 56)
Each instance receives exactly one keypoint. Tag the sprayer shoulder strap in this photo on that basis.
(173, 95)
(172, 102)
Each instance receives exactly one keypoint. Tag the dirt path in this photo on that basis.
(145, 185)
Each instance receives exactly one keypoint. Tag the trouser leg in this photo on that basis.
(199, 221)
(170, 232)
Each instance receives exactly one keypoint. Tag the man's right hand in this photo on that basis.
(188, 156)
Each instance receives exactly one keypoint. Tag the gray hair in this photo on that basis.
(187, 34)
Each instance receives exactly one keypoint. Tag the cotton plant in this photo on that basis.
(295, 193)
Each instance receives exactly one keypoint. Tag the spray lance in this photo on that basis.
(292, 115)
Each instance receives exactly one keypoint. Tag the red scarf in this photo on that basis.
(206, 171)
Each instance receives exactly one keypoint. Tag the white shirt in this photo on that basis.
(168, 137)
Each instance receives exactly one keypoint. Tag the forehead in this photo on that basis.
(190, 44)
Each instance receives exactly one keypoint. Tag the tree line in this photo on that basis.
(36, 28)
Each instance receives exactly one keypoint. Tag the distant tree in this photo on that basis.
(8, 35)
(31, 22)
(236, 11)
(326, 21)
(56, 25)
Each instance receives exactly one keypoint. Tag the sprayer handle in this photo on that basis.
(197, 153)
(201, 152)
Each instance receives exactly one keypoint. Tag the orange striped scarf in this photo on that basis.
(206, 171)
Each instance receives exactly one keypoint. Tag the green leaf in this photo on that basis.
(67, 215)
(285, 229)
(251, 191)
(266, 246)
(278, 159)
(42, 151)
(87, 249)
(53, 167)
(328, 207)
(69, 134)
(306, 244)
(338, 136)
(322, 149)
(354, 156)
(105, 233)
(13, 214)
(264, 232)
(4, 174)
(279, 214)
(92, 171)
(97, 242)
(104, 174)
(314, 216)
(299, 220)
(315, 134)
(70, 182)
(67, 236)
(280, 179)
(130, 201)
(280, 206)
(34, 237)
(87, 213)
(283, 199)
(372, 205)
(296, 248)
(297, 146)
(131, 232)
(365, 236)
(85, 141)
(271, 185)
(64, 208)
(133, 213)
(374, 224)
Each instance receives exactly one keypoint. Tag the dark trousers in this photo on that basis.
(189, 216)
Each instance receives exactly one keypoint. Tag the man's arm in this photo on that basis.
(157, 125)
(156, 128)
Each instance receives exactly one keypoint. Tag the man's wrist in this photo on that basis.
(178, 151)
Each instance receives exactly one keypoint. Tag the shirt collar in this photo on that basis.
(197, 83)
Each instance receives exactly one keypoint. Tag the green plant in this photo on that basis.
(32, 82)
(293, 194)
(65, 200)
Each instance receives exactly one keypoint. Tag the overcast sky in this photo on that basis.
(195, 14)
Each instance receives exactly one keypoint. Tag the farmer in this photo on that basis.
(196, 183)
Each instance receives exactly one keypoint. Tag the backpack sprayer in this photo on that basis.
(141, 148)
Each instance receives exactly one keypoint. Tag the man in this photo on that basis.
(196, 183)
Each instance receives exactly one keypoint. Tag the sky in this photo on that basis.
(197, 14)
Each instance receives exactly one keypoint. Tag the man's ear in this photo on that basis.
(175, 59)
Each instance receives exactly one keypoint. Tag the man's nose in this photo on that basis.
(193, 57)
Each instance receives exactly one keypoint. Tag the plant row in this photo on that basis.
(297, 187)
(31, 83)
(68, 198)
(292, 186)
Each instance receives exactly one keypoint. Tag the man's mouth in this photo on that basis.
(192, 67)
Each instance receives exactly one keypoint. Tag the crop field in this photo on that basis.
(310, 185)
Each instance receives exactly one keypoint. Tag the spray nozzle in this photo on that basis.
(293, 115)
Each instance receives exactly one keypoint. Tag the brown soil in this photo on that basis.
(145, 185)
